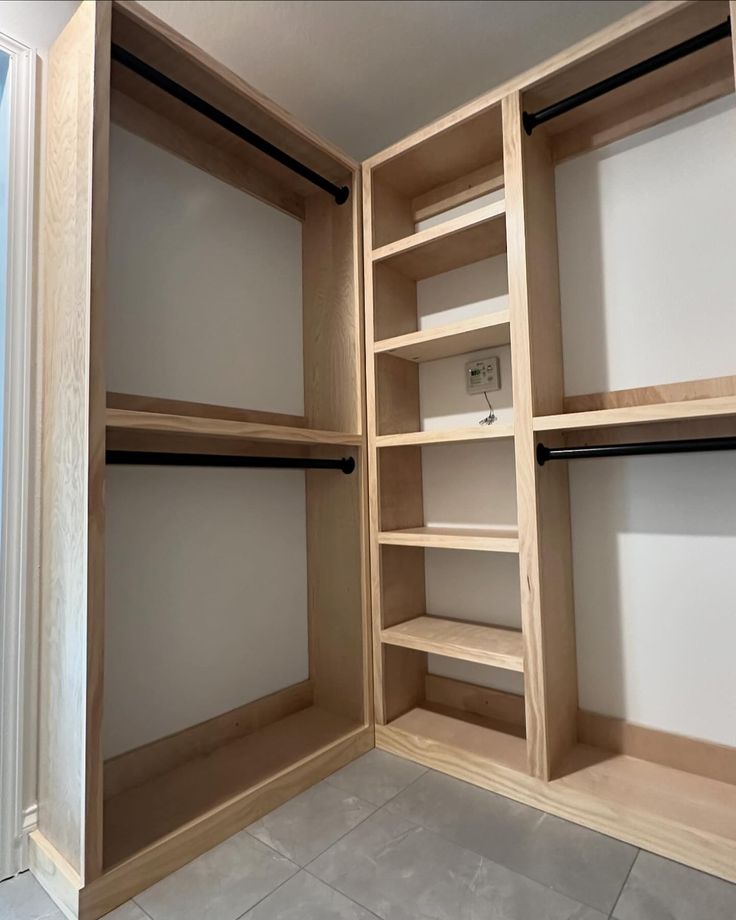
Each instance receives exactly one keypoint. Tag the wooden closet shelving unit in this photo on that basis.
(109, 829)
(534, 749)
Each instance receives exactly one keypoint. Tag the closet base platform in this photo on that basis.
(679, 815)
(155, 828)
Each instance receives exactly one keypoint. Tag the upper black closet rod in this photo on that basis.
(152, 458)
(532, 119)
(692, 445)
(340, 194)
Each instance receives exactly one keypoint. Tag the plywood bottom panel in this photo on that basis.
(485, 539)
(678, 815)
(137, 817)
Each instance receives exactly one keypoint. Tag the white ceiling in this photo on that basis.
(364, 73)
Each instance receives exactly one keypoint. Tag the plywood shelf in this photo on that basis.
(485, 539)
(154, 423)
(137, 817)
(470, 335)
(491, 645)
(715, 407)
(446, 436)
(452, 244)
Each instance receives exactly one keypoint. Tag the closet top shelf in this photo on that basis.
(632, 415)
(157, 423)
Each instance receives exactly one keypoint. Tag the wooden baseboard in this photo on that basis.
(54, 874)
(150, 760)
(703, 758)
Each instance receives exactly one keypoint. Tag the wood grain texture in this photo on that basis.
(494, 705)
(467, 188)
(393, 299)
(683, 817)
(73, 435)
(713, 407)
(163, 857)
(161, 406)
(543, 505)
(396, 395)
(452, 244)
(645, 396)
(491, 645)
(55, 875)
(157, 423)
(153, 127)
(446, 436)
(133, 768)
(454, 339)
(485, 539)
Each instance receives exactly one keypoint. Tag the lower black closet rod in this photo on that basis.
(153, 458)
(693, 445)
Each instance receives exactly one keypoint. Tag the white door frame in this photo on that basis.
(18, 583)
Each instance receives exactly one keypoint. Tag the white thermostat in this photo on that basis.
(482, 376)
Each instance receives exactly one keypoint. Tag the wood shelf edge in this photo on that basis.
(446, 436)
(447, 332)
(713, 407)
(506, 541)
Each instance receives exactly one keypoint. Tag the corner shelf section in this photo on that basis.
(446, 436)
(452, 244)
(484, 539)
(692, 409)
(488, 331)
(489, 645)
(153, 423)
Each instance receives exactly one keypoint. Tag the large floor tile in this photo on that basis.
(404, 872)
(22, 898)
(376, 776)
(220, 885)
(658, 889)
(304, 897)
(308, 824)
(128, 911)
(572, 860)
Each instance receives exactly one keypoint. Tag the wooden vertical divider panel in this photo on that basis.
(73, 463)
(542, 495)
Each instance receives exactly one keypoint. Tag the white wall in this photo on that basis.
(647, 245)
(206, 569)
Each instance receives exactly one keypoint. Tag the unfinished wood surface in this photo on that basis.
(494, 705)
(459, 191)
(452, 244)
(393, 301)
(491, 645)
(150, 760)
(446, 436)
(176, 139)
(160, 406)
(153, 40)
(485, 539)
(392, 217)
(704, 758)
(157, 423)
(713, 407)
(136, 818)
(488, 331)
(545, 561)
(160, 859)
(55, 875)
(73, 434)
(332, 318)
(645, 396)
(680, 816)
(396, 400)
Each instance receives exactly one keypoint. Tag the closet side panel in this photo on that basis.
(72, 571)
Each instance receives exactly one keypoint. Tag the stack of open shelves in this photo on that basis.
(664, 793)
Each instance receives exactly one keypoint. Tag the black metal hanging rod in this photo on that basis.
(152, 458)
(530, 120)
(693, 445)
(339, 193)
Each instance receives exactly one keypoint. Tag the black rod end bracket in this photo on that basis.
(342, 195)
(543, 454)
(347, 465)
(528, 121)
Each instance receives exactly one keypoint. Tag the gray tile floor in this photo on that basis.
(386, 838)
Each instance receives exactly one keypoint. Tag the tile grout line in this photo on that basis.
(140, 908)
(628, 875)
(280, 885)
(341, 893)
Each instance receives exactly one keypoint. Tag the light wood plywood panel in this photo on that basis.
(481, 181)
(485, 539)
(72, 575)
(491, 645)
(452, 436)
(717, 406)
(454, 339)
(452, 244)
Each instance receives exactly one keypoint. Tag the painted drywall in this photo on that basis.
(205, 286)
(206, 569)
(647, 230)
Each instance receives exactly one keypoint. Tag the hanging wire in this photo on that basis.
(491, 417)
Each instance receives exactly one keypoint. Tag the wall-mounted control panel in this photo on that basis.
(482, 376)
